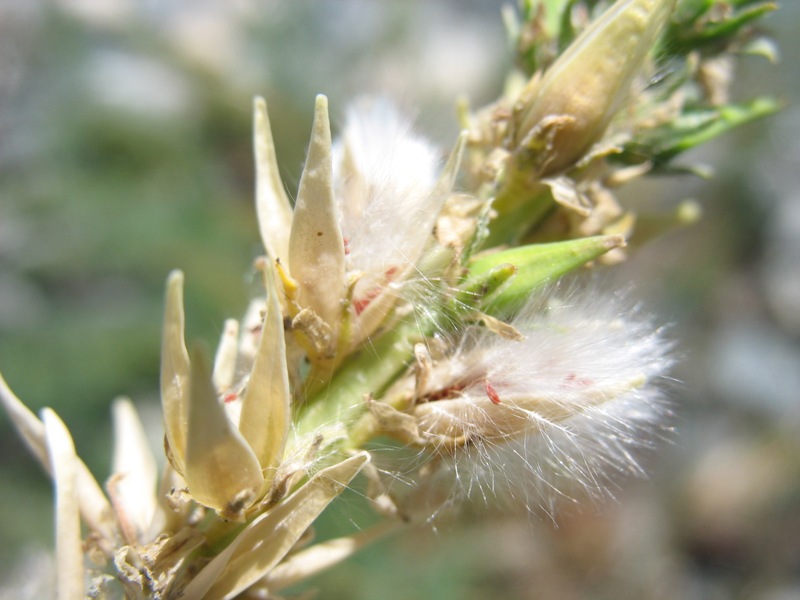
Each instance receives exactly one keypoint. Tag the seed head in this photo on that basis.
(582, 387)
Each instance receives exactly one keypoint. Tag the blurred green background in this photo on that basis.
(125, 153)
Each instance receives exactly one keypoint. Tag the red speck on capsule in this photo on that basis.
(492, 393)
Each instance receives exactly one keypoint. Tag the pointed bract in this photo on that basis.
(225, 358)
(95, 508)
(134, 475)
(69, 549)
(316, 246)
(222, 472)
(273, 208)
(266, 408)
(266, 540)
(174, 371)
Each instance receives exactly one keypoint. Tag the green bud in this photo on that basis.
(561, 114)
(537, 265)
(482, 285)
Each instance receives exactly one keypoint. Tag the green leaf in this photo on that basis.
(479, 286)
(690, 11)
(731, 27)
(690, 30)
(696, 127)
(537, 265)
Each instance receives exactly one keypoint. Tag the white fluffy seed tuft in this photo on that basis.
(561, 413)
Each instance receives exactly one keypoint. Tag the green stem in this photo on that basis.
(368, 372)
(520, 205)
(364, 430)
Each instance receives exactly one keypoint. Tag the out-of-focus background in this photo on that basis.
(125, 152)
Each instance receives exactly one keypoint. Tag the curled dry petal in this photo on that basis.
(266, 408)
(69, 549)
(174, 371)
(222, 471)
(272, 205)
(316, 246)
(265, 541)
(132, 484)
